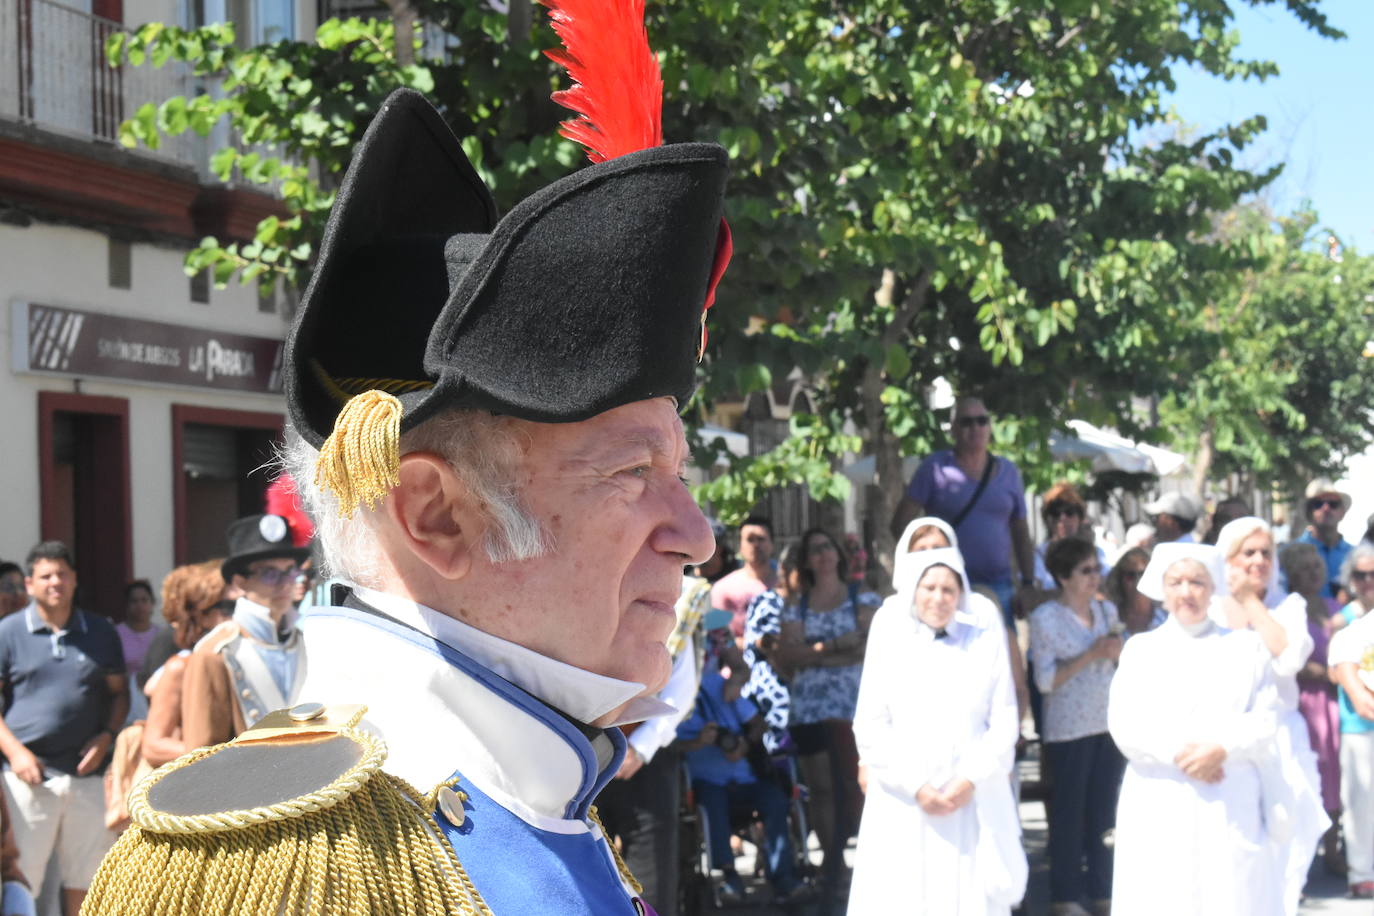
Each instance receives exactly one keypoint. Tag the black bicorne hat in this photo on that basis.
(259, 537)
(586, 296)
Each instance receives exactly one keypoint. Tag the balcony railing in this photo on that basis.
(54, 74)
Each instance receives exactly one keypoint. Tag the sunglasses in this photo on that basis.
(981, 419)
(1314, 504)
(271, 575)
(1131, 573)
(1362, 575)
(1055, 510)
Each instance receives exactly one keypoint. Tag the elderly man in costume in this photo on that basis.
(488, 411)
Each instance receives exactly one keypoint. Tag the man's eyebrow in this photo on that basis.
(631, 442)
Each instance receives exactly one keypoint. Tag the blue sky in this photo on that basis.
(1318, 110)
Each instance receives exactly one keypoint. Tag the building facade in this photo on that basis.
(139, 404)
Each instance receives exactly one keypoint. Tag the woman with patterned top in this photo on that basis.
(762, 630)
(824, 635)
(1075, 644)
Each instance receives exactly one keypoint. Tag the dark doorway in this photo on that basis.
(83, 445)
(223, 462)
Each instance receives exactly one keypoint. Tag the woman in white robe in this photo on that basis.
(936, 726)
(1193, 709)
(1248, 598)
(930, 533)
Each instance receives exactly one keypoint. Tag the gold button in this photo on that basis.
(246, 693)
(451, 806)
(254, 715)
(304, 712)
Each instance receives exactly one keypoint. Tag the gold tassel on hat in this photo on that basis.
(361, 459)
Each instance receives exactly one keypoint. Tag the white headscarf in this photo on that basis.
(1166, 555)
(903, 562)
(921, 562)
(1229, 540)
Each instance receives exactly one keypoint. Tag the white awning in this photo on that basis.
(1109, 451)
(864, 471)
(1105, 450)
(736, 444)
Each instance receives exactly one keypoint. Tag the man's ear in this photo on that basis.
(435, 515)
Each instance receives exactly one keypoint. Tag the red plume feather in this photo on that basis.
(617, 88)
(283, 499)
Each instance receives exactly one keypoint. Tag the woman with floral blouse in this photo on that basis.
(1075, 642)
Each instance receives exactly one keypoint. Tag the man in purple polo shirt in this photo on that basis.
(988, 516)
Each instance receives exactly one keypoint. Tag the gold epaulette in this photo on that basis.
(295, 815)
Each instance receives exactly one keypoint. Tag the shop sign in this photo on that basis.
(93, 344)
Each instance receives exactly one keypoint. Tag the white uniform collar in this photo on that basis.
(257, 620)
(954, 630)
(581, 694)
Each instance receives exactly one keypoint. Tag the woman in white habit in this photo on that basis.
(1193, 708)
(936, 726)
(1248, 597)
(931, 533)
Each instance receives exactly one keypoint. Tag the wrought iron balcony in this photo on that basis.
(54, 75)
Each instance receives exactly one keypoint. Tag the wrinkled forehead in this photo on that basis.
(652, 427)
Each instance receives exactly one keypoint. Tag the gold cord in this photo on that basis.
(375, 853)
(615, 853)
(361, 460)
(366, 845)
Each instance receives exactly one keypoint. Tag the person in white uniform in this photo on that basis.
(929, 533)
(1193, 709)
(936, 726)
(1248, 596)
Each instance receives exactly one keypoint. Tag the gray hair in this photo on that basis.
(1296, 552)
(483, 450)
(1363, 551)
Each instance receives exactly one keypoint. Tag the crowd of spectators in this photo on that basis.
(1289, 726)
(895, 720)
(74, 743)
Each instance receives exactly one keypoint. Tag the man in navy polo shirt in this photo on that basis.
(65, 695)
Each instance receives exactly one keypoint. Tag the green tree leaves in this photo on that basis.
(965, 190)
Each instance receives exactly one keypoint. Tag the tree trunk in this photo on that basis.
(879, 442)
(519, 20)
(403, 16)
(1202, 460)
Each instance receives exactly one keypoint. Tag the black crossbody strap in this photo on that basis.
(973, 501)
